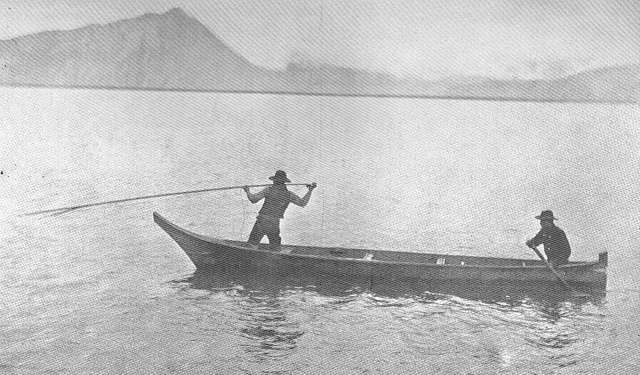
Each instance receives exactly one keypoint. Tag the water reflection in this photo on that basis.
(263, 314)
(550, 299)
(266, 324)
(279, 316)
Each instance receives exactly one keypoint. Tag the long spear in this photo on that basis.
(64, 210)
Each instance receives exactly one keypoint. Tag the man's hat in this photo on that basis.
(546, 215)
(280, 176)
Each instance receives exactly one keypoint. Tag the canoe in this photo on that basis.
(208, 252)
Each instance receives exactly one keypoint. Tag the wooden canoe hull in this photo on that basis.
(207, 252)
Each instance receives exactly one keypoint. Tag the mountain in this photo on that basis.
(170, 50)
(327, 78)
(175, 51)
(609, 84)
(618, 83)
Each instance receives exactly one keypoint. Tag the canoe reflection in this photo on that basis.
(275, 311)
(263, 282)
(265, 324)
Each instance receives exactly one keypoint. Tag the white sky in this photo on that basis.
(427, 38)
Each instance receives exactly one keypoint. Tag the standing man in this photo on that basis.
(276, 201)
(556, 244)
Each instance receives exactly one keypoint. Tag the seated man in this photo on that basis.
(556, 244)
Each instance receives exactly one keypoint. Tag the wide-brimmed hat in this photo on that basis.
(280, 176)
(546, 215)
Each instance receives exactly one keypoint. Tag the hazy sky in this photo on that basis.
(428, 38)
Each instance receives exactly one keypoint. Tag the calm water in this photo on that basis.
(104, 291)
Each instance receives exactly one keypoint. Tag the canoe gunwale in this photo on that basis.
(401, 263)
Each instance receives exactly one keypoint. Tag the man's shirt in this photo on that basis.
(556, 244)
(277, 199)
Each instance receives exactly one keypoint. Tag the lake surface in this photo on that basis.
(103, 290)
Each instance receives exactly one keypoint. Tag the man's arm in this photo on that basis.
(254, 198)
(304, 200)
(535, 241)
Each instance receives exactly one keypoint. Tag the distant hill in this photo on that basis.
(616, 84)
(175, 51)
(170, 50)
(326, 78)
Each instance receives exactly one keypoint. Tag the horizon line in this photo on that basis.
(323, 94)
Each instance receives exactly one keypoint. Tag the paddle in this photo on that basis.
(64, 210)
(550, 267)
